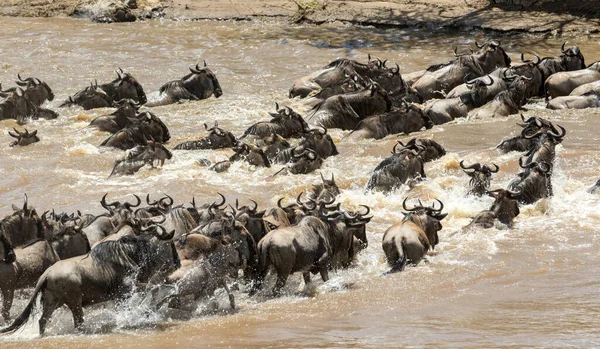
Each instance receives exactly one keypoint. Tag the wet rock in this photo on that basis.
(107, 11)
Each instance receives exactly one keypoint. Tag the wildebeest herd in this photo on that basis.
(78, 259)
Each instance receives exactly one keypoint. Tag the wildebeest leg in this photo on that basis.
(77, 310)
(324, 272)
(282, 275)
(49, 305)
(306, 276)
(231, 298)
(8, 294)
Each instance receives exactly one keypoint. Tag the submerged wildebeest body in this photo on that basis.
(139, 156)
(586, 89)
(325, 191)
(103, 96)
(147, 127)
(319, 141)
(105, 274)
(251, 154)
(346, 111)
(521, 143)
(563, 83)
(216, 139)
(504, 209)
(285, 123)
(544, 149)
(588, 100)
(403, 165)
(506, 102)
(534, 183)
(23, 138)
(405, 119)
(410, 240)
(124, 116)
(36, 91)
(444, 77)
(201, 83)
(16, 106)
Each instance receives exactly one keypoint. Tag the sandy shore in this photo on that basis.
(463, 14)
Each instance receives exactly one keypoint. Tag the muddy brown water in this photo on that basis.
(535, 285)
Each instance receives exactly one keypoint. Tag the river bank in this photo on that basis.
(542, 16)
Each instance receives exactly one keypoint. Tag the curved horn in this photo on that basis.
(367, 208)
(20, 78)
(222, 201)
(441, 206)
(562, 48)
(119, 73)
(151, 203)
(139, 201)
(514, 194)
(496, 170)
(163, 235)
(25, 203)
(107, 205)
(475, 166)
(166, 198)
(255, 205)
(279, 203)
(554, 133)
(479, 46)
(406, 208)
(491, 81)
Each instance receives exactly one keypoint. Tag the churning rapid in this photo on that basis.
(535, 284)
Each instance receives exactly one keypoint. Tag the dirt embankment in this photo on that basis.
(541, 16)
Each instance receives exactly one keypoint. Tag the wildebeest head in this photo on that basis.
(505, 206)
(356, 222)
(477, 95)
(126, 86)
(207, 212)
(251, 219)
(304, 160)
(23, 225)
(480, 177)
(202, 82)
(90, 97)
(153, 127)
(253, 155)
(322, 143)
(380, 95)
(23, 138)
(292, 124)
(294, 212)
(15, 105)
(391, 81)
(428, 218)
(36, 91)
(572, 57)
(325, 191)
(120, 210)
(432, 149)
(219, 137)
(493, 55)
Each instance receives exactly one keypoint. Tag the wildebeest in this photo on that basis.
(402, 166)
(90, 97)
(588, 100)
(570, 59)
(519, 143)
(334, 74)
(23, 138)
(124, 116)
(563, 83)
(99, 227)
(594, 188)
(318, 140)
(346, 111)
(543, 150)
(16, 106)
(504, 209)
(36, 91)
(306, 161)
(586, 88)
(506, 102)
(21, 267)
(68, 240)
(104, 274)
(406, 118)
(139, 156)
(441, 111)
(148, 127)
(408, 241)
(23, 225)
(444, 77)
(251, 154)
(201, 83)
(285, 122)
(479, 183)
(429, 149)
(325, 191)
(216, 139)
(533, 183)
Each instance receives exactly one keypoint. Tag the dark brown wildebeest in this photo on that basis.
(201, 83)
(408, 241)
(146, 127)
(504, 209)
(479, 183)
(251, 154)
(23, 138)
(318, 140)
(36, 91)
(285, 122)
(23, 225)
(216, 139)
(140, 156)
(543, 149)
(506, 102)
(104, 274)
(403, 165)
(124, 116)
(534, 183)
(90, 97)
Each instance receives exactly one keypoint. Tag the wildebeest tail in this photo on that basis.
(400, 263)
(22, 319)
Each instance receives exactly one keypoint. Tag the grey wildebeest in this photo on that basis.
(346, 111)
(334, 74)
(104, 274)
(124, 116)
(201, 83)
(563, 83)
(147, 127)
(216, 139)
(16, 106)
(534, 183)
(285, 122)
(318, 140)
(100, 226)
(544, 148)
(402, 166)
(325, 191)
(36, 91)
(444, 77)
(589, 100)
(90, 97)
(23, 225)
(479, 183)
(21, 267)
(441, 111)
(586, 88)
(23, 138)
(570, 59)
(506, 102)
(406, 118)
(140, 156)
(410, 240)
(520, 143)
(504, 209)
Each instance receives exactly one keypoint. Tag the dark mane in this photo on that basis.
(126, 252)
(435, 67)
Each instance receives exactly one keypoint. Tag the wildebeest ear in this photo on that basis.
(440, 216)
(32, 134)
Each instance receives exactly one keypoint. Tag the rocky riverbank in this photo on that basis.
(536, 16)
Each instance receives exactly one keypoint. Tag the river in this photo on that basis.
(535, 285)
